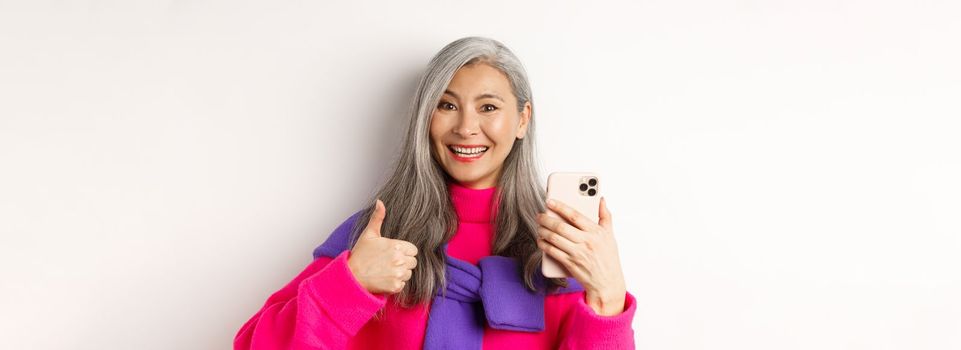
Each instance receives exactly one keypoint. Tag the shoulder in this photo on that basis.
(338, 240)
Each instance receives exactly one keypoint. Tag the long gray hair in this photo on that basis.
(419, 207)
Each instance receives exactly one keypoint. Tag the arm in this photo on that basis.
(322, 308)
(585, 329)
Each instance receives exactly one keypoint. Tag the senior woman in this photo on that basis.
(447, 254)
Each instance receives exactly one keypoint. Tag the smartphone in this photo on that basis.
(579, 190)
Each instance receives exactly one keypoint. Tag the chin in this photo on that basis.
(465, 177)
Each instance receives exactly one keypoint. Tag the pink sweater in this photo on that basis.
(324, 307)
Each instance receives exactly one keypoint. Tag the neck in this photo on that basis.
(473, 204)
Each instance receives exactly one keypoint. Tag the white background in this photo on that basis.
(782, 174)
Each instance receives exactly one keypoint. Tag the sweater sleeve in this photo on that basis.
(585, 329)
(322, 308)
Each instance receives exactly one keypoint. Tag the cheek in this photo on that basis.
(436, 128)
(501, 130)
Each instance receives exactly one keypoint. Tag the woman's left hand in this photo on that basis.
(589, 253)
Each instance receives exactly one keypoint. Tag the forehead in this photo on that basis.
(478, 79)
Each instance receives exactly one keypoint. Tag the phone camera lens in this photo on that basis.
(593, 182)
(583, 187)
(592, 192)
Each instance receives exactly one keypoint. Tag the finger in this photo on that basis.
(376, 219)
(411, 262)
(556, 239)
(406, 276)
(604, 217)
(563, 258)
(408, 262)
(406, 247)
(571, 215)
(561, 227)
(553, 251)
(400, 287)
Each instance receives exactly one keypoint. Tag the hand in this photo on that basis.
(588, 251)
(381, 265)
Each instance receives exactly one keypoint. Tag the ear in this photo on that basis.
(525, 120)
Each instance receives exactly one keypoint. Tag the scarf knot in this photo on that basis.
(491, 293)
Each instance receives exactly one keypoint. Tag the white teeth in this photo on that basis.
(469, 151)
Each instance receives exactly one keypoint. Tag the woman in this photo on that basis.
(448, 255)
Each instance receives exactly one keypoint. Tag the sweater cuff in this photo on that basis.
(338, 293)
(604, 332)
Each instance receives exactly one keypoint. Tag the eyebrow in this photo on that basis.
(487, 95)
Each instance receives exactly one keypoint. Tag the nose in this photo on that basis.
(468, 124)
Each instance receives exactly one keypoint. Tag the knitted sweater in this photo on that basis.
(325, 307)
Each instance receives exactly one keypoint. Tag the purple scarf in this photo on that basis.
(492, 289)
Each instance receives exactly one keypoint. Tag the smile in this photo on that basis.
(467, 154)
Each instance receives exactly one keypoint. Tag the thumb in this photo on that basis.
(604, 216)
(376, 220)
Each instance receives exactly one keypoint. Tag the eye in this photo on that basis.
(446, 106)
(488, 108)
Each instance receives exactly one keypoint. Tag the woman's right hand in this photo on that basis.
(381, 265)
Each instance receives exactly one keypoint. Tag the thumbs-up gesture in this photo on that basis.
(381, 265)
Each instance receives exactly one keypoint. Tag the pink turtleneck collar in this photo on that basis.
(476, 210)
(472, 204)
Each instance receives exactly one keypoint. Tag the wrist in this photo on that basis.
(353, 272)
(606, 304)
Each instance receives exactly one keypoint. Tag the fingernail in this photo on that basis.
(550, 202)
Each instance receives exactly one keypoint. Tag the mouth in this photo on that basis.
(467, 152)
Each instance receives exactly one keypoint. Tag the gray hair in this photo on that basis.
(419, 208)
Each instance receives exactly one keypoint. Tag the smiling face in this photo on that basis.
(474, 125)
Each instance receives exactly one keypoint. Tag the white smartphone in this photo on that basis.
(579, 190)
